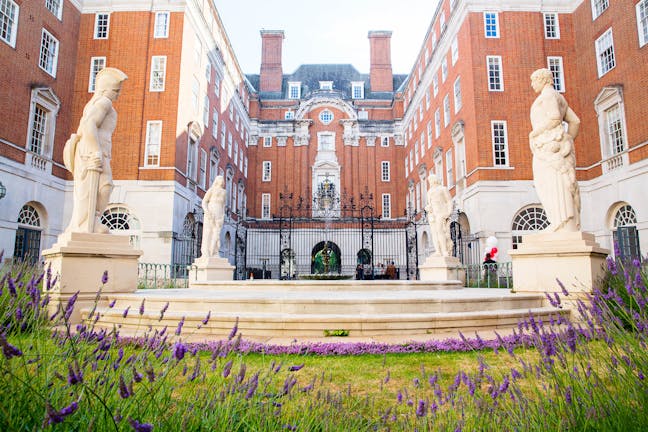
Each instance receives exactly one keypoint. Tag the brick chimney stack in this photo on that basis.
(381, 77)
(271, 70)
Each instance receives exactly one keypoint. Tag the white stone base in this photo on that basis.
(79, 260)
(212, 268)
(574, 258)
(440, 268)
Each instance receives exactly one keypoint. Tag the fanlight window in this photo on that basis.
(120, 219)
(528, 220)
(29, 216)
(625, 216)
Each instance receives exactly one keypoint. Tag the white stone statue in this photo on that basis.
(439, 208)
(554, 161)
(87, 154)
(213, 205)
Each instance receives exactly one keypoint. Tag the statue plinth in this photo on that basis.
(574, 258)
(211, 268)
(79, 261)
(442, 268)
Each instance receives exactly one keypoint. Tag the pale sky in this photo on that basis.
(331, 31)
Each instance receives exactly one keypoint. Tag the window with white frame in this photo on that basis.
(266, 175)
(491, 25)
(161, 25)
(206, 111)
(229, 144)
(420, 112)
(527, 221)
(642, 22)
(437, 123)
(434, 39)
(435, 83)
(265, 206)
(231, 111)
(202, 176)
(9, 12)
(153, 143)
(240, 159)
(102, 25)
(444, 69)
(294, 90)
(222, 134)
(215, 123)
(236, 153)
(213, 166)
(605, 53)
(48, 53)
(449, 168)
(416, 153)
(384, 141)
(208, 71)
(386, 206)
(192, 148)
(406, 165)
(55, 6)
(446, 110)
(38, 130)
(411, 161)
(96, 64)
(195, 93)
(442, 21)
(357, 90)
(500, 143)
(429, 134)
(325, 142)
(615, 129)
(598, 7)
(438, 168)
(494, 69)
(326, 116)
(454, 49)
(217, 82)
(267, 141)
(551, 25)
(457, 95)
(158, 73)
(44, 108)
(245, 166)
(555, 65)
(385, 171)
(422, 143)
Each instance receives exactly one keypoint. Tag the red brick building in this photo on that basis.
(188, 113)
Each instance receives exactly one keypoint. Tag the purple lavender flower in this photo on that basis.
(124, 391)
(150, 374)
(75, 375)
(568, 395)
(19, 313)
(640, 375)
(421, 408)
(140, 427)
(125, 314)
(252, 386)
(206, 320)
(179, 350)
(112, 303)
(8, 350)
(54, 417)
(69, 307)
(164, 309)
(227, 369)
(180, 324)
(104, 277)
(611, 264)
(141, 308)
(295, 368)
(234, 330)
(11, 284)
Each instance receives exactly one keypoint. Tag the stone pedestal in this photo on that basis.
(79, 261)
(574, 258)
(441, 268)
(212, 268)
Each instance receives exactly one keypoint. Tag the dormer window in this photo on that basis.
(294, 90)
(326, 85)
(357, 90)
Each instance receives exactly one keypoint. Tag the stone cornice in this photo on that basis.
(92, 6)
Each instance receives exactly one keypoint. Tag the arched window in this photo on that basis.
(120, 221)
(625, 234)
(528, 220)
(28, 235)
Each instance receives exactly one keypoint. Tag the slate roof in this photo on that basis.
(340, 74)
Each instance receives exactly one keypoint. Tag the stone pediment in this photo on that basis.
(614, 92)
(324, 101)
(326, 164)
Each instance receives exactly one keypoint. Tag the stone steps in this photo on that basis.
(267, 313)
